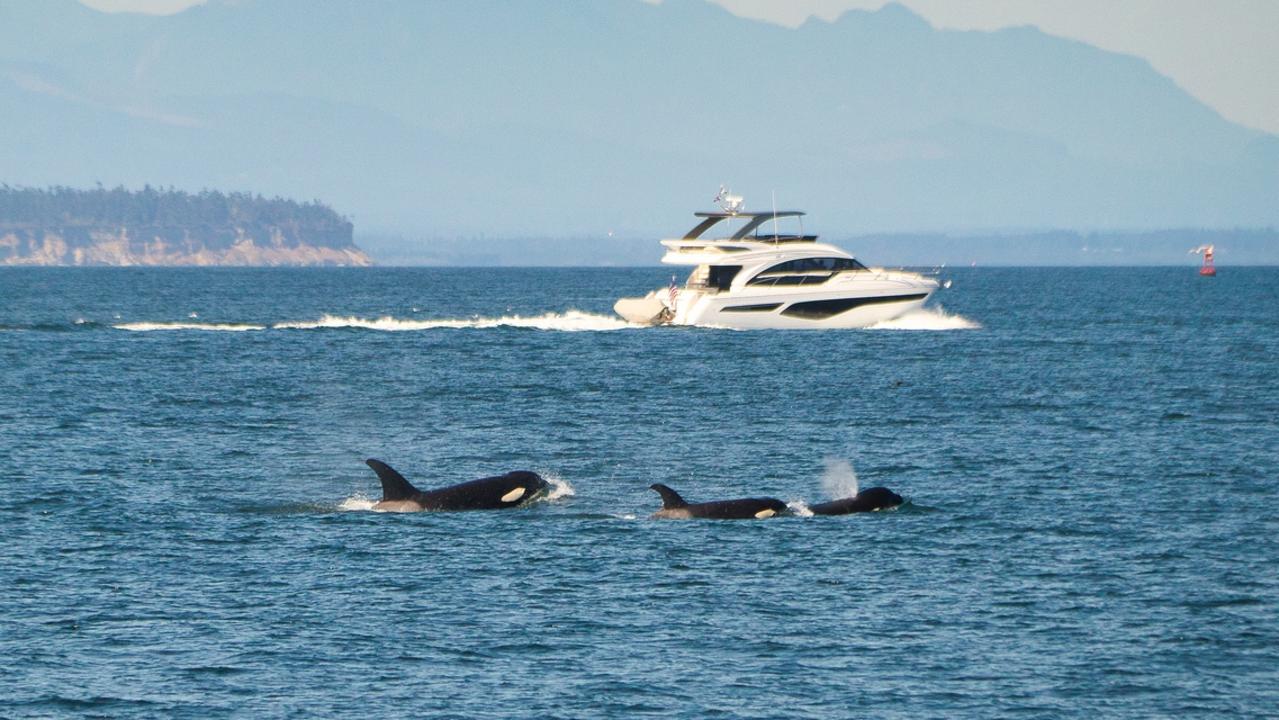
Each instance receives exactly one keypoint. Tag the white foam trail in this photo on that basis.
(839, 480)
(932, 318)
(559, 488)
(357, 502)
(571, 321)
(214, 327)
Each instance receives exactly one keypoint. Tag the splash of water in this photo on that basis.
(559, 488)
(839, 480)
(571, 321)
(357, 502)
(800, 508)
(930, 318)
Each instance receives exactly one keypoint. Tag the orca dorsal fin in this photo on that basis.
(670, 499)
(394, 486)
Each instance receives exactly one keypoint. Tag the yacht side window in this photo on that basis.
(805, 271)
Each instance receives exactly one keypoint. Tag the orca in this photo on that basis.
(868, 500)
(674, 507)
(492, 493)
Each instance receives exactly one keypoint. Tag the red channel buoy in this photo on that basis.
(1207, 269)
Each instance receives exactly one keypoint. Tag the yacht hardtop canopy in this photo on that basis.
(754, 220)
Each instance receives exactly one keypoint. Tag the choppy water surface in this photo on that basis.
(1090, 457)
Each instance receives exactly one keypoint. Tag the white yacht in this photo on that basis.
(760, 277)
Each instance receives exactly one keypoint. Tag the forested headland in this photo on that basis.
(151, 226)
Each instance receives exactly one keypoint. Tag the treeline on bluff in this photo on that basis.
(210, 218)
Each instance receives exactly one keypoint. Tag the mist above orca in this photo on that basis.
(492, 493)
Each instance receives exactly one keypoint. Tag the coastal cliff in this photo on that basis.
(61, 226)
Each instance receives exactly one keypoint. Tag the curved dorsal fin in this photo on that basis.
(670, 498)
(394, 486)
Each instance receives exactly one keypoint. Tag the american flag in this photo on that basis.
(674, 293)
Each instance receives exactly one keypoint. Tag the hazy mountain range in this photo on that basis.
(506, 118)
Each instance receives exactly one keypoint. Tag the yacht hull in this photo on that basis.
(810, 312)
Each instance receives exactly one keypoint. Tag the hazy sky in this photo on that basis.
(1223, 52)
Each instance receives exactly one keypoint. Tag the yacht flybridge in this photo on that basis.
(759, 277)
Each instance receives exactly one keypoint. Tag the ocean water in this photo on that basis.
(1090, 458)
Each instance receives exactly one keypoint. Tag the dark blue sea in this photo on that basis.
(1090, 459)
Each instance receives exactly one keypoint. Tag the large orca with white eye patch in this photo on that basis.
(674, 507)
(868, 500)
(493, 493)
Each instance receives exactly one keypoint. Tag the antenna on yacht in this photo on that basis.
(774, 216)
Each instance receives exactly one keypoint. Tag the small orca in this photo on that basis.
(674, 507)
(493, 493)
(870, 499)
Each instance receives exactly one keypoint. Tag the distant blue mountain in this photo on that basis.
(575, 118)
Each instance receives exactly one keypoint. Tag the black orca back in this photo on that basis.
(739, 509)
(868, 500)
(486, 493)
(394, 486)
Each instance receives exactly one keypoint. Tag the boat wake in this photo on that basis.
(931, 318)
(571, 321)
(214, 327)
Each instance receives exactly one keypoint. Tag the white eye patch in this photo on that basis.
(765, 513)
(514, 495)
